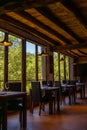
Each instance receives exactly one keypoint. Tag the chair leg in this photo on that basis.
(32, 107)
(40, 105)
(54, 103)
(61, 98)
(43, 106)
(21, 119)
(0, 123)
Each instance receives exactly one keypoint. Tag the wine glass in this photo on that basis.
(7, 86)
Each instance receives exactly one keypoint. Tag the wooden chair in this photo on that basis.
(57, 83)
(80, 88)
(68, 90)
(37, 96)
(15, 105)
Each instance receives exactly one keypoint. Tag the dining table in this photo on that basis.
(49, 91)
(71, 92)
(6, 96)
(52, 90)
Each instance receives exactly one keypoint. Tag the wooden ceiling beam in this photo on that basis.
(47, 13)
(69, 54)
(16, 5)
(43, 26)
(83, 52)
(65, 53)
(71, 47)
(75, 54)
(28, 29)
(72, 7)
(6, 27)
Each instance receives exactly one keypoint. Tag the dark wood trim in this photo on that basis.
(6, 61)
(23, 65)
(64, 67)
(69, 68)
(36, 59)
(75, 54)
(59, 64)
(83, 52)
(66, 53)
(71, 47)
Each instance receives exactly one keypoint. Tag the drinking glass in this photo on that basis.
(7, 87)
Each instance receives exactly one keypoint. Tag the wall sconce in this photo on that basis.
(62, 59)
(43, 54)
(5, 43)
(4, 39)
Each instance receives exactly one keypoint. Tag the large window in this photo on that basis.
(67, 67)
(30, 64)
(14, 59)
(36, 66)
(39, 65)
(56, 74)
(61, 67)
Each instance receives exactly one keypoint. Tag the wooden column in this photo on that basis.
(6, 61)
(59, 64)
(36, 58)
(64, 67)
(24, 65)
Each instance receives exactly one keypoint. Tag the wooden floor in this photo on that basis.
(70, 117)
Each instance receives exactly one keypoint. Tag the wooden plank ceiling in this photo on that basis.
(61, 24)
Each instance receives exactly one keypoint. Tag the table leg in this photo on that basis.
(58, 100)
(74, 94)
(83, 91)
(4, 117)
(69, 95)
(24, 113)
(50, 103)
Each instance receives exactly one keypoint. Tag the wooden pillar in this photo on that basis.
(50, 75)
(59, 65)
(64, 67)
(24, 65)
(36, 58)
(6, 60)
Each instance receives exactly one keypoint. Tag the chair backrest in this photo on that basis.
(57, 83)
(50, 83)
(14, 86)
(44, 83)
(73, 82)
(64, 81)
(68, 82)
(36, 91)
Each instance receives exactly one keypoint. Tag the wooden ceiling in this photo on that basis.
(61, 24)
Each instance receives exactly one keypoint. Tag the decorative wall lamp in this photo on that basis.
(4, 39)
(5, 43)
(43, 54)
(62, 59)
